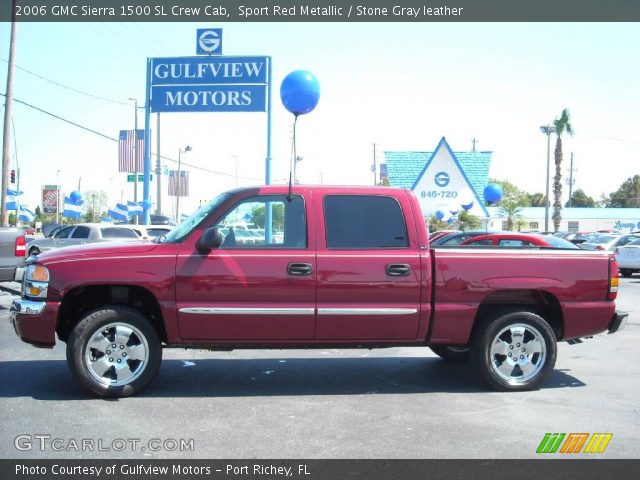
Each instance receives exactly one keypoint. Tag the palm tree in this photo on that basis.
(563, 125)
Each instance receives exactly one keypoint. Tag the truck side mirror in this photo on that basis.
(210, 239)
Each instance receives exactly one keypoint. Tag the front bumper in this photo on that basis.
(619, 322)
(34, 321)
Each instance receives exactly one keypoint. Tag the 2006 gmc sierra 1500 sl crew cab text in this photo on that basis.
(340, 267)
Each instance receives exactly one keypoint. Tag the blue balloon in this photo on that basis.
(439, 214)
(492, 193)
(454, 212)
(146, 204)
(468, 206)
(300, 92)
(450, 221)
(75, 196)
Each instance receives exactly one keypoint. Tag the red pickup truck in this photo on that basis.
(335, 266)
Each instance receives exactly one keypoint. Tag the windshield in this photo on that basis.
(557, 242)
(194, 220)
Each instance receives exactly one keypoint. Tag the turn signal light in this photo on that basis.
(39, 274)
(613, 279)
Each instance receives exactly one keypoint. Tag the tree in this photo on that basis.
(627, 195)
(512, 202)
(467, 221)
(277, 216)
(436, 225)
(95, 202)
(536, 199)
(581, 199)
(563, 125)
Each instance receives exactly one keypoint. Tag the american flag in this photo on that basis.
(125, 151)
(180, 188)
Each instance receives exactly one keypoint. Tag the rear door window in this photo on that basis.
(364, 222)
(81, 232)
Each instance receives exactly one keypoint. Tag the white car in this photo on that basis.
(628, 258)
(85, 233)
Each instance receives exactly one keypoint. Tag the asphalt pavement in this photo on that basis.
(387, 403)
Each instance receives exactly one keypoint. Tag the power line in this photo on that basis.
(613, 139)
(90, 130)
(75, 90)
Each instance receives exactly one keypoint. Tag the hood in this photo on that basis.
(98, 249)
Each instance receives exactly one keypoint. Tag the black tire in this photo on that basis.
(625, 272)
(34, 251)
(451, 353)
(131, 334)
(519, 333)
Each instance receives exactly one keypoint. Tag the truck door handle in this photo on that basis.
(299, 269)
(398, 269)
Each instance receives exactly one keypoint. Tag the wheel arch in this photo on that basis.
(81, 300)
(540, 302)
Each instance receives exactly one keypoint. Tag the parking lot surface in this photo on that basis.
(388, 403)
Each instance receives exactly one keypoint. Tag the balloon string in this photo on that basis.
(293, 156)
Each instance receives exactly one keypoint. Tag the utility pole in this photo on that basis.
(473, 145)
(158, 170)
(570, 180)
(8, 107)
(374, 167)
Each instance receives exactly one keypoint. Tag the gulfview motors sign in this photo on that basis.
(209, 84)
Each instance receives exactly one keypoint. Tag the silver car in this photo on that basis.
(85, 233)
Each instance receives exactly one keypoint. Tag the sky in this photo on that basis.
(400, 86)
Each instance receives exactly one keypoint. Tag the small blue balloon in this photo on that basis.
(75, 196)
(300, 92)
(454, 212)
(467, 206)
(146, 204)
(450, 221)
(439, 214)
(492, 193)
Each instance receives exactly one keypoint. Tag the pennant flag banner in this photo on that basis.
(134, 208)
(26, 215)
(119, 212)
(178, 188)
(71, 209)
(12, 199)
(125, 151)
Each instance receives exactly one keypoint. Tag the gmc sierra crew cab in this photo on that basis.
(335, 267)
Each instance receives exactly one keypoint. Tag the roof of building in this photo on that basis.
(405, 167)
(576, 213)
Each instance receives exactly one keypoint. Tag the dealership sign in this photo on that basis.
(443, 185)
(209, 84)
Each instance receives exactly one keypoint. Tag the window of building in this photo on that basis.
(574, 226)
(505, 225)
(533, 226)
(364, 222)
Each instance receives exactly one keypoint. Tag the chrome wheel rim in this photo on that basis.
(116, 354)
(518, 353)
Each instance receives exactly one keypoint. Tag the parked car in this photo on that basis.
(12, 248)
(29, 230)
(155, 231)
(457, 238)
(580, 237)
(519, 240)
(354, 269)
(85, 233)
(628, 258)
(608, 241)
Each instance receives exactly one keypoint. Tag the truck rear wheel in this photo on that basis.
(451, 353)
(114, 351)
(514, 352)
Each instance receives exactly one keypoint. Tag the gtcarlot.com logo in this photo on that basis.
(45, 442)
(573, 443)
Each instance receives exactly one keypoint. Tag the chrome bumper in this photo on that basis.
(619, 322)
(27, 307)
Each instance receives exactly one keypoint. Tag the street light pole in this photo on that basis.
(178, 187)
(547, 130)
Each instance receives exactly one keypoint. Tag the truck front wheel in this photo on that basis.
(114, 351)
(514, 352)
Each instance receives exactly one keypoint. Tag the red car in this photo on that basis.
(519, 240)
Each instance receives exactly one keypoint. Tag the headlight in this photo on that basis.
(36, 281)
